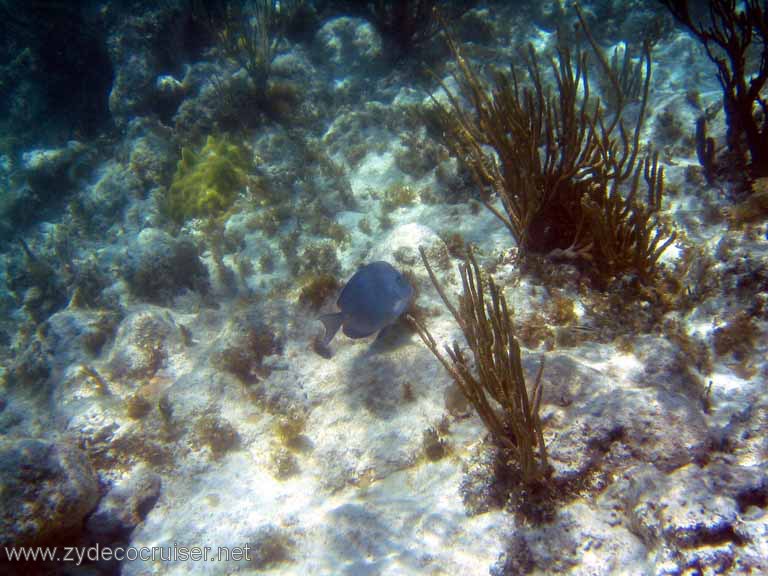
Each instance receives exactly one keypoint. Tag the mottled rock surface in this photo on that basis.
(48, 487)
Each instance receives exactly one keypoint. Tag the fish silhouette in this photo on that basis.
(375, 297)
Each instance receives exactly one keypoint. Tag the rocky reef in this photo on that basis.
(591, 397)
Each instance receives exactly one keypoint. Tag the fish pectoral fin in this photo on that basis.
(332, 323)
(384, 332)
(358, 331)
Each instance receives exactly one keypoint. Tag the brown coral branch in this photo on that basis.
(496, 388)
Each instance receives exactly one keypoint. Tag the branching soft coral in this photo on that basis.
(252, 33)
(568, 175)
(496, 386)
(737, 31)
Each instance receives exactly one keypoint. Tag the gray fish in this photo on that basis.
(375, 297)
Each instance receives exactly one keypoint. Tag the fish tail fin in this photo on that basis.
(332, 323)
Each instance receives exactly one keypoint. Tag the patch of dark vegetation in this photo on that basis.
(243, 356)
(289, 430)
(31, 368)
(737, 337)
(217, 434)
(163, 268)
(100, 332)
(518, 559)
(493, 480)
(137, 407)
(318, 290)
(270, 547)
(35, 284)
(538, 504)
(109, 453)
(434, 443)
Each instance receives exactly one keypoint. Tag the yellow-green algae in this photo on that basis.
(207, 182)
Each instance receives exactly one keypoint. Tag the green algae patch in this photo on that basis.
(207, 182)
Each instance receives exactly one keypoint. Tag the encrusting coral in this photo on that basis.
(488, 330)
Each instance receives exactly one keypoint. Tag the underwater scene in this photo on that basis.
(386, 287)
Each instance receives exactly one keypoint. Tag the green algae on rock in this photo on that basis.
(207, 182)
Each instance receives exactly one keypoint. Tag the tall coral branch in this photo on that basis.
(252, 34)
(499, 379)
